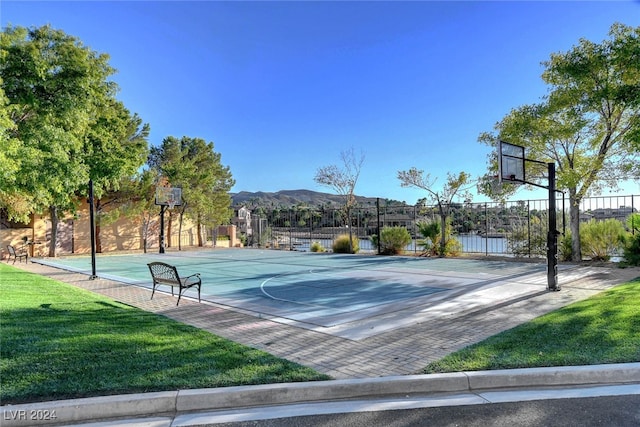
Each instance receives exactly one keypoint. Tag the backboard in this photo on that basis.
(510, 162)
(169, 196)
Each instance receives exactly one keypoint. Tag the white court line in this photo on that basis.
(264, 291)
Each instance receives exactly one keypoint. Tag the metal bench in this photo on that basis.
(165, 274)
(16, 254)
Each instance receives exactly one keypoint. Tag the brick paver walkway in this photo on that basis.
(397, 352)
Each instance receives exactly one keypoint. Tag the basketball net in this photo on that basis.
(496, 185)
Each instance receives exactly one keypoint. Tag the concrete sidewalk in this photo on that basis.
(381, 367)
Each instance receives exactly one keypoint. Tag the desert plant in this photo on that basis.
(601, 239)
(393, 240)
(430, 231)
(317, 247)
(431, 245)
(341, 244)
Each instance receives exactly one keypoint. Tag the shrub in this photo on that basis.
(393, 240)
(564, 245)
(432, 233)
(632, 250)
(317, 247)
(633, 222)
(601, 239)
(341, 244)
(528, 238)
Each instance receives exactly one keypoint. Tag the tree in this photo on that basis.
(193, 165)
(588, 124)
(137, 198)
(115, 148)
(63, 108)
(13, 199)
(454, 187)
(343, 180)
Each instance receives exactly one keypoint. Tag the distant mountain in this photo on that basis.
(288, 198)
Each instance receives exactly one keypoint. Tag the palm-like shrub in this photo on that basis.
(431, 232)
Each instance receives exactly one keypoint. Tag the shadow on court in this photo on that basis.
(351, 296)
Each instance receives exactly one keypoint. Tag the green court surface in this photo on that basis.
(354, 296)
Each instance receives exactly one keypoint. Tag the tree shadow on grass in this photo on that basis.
(90, 348)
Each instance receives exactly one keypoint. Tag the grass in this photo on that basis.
(58, 342)
(602, 329)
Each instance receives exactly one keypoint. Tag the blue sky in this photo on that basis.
(282, 88)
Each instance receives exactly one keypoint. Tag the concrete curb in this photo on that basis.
(175, 403)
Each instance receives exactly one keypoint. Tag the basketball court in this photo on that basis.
(351, 296)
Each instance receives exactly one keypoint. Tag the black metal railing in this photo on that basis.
(513, 228)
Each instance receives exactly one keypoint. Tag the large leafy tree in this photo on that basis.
(66, 120)
(137, 202)
(14, 201)
(588, 124)
(55, 88)
(115, 148)
(193, 165)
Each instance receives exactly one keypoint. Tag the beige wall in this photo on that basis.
(125, 234)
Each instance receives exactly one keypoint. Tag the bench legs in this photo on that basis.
(180, 291)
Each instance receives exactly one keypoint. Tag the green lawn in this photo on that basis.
(601, 329)
(58, 341)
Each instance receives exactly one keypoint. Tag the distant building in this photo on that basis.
(243, 221)
(602, 214)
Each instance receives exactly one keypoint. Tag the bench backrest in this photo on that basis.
(161, 272)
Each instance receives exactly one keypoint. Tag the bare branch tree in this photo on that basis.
(343, 179)
(455, 186)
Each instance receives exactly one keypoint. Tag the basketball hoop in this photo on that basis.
(169, 196)
(511, 163)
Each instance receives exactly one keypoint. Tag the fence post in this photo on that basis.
(486, 228)
(529, 225)
(552, 234)
(378, 212)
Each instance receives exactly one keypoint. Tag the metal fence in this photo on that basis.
(514, 228)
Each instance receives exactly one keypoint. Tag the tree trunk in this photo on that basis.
(443, 232)
(574, 225)
(53, 212)
(199, 228)
(180, 230)
(168, 236)
(97, 209)
(350, 232)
